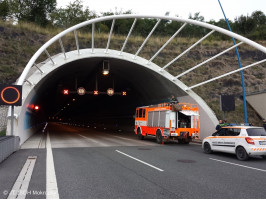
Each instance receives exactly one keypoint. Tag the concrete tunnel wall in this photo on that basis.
(160, 87)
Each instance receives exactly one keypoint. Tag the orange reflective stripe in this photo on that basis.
(259, 138)
(225, 137)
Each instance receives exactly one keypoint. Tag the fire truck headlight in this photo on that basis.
(166, 132)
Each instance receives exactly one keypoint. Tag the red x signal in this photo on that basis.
(65, 91)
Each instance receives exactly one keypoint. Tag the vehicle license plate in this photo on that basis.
(262, 142)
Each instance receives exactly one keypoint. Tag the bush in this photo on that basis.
(3, 132)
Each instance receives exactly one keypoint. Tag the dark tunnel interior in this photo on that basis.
(142, 86)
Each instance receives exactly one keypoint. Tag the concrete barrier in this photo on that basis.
(8, 145)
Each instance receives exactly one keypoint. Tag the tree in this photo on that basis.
(37, 11)
(4, 10)
(71, 15)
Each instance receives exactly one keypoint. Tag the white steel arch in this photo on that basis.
(57, 60)
(93, 21)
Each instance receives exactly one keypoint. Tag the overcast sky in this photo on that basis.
(210, 9)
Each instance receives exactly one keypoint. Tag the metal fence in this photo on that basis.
(256, 89)
(3, 117)
(8, 145)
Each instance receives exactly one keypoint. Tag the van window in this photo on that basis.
(256, 132)
(140, 112)
(233, 132)
(221, 132)
(137, 113)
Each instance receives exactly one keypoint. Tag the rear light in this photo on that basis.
(249, 140)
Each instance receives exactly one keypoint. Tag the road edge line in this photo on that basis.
(51, 182)
(238, 165)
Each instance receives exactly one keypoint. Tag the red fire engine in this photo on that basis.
(168, 121)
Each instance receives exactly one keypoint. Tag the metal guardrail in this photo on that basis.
(256, 89)
(8, 145)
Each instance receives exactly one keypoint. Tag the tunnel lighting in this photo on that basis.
(36, 107)
(66, 92)
(105, 72)
(110, 91)
(81, 91)
(124, 93)
(106, 67)
(95, 92)
(73, 99)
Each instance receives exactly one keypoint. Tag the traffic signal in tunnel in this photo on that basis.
(36, 107)
(66, 92)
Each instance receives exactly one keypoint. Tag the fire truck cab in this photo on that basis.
(168, 121)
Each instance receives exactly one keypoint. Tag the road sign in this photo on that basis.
(11, 95)
(227, 102)
(81, 91)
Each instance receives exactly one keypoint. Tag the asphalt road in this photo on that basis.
(102, 164)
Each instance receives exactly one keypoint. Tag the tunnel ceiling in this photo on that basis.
(142, 85)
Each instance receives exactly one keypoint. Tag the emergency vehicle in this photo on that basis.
(244, 141)
(167, 121)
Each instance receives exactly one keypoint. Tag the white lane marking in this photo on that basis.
(140, 161)
(239, 165)
(20, 188)
(51, 183)
(95, 141)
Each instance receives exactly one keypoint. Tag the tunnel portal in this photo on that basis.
(141, 86)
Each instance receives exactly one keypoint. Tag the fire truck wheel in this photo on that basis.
(159, 137)
(140, 136)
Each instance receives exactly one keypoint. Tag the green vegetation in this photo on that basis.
(3, 132)
(45, 13)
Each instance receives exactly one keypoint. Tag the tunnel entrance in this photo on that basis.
(142, 86)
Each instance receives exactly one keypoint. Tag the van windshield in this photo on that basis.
(256, 132)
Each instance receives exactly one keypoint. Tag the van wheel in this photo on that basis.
(207, 148)
(140, 136)
(241, 154)
(159, 137)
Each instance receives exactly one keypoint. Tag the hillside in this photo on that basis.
(19, 43)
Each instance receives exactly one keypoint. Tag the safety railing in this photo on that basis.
(256, 89)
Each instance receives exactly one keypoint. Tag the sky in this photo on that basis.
(210, 9)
